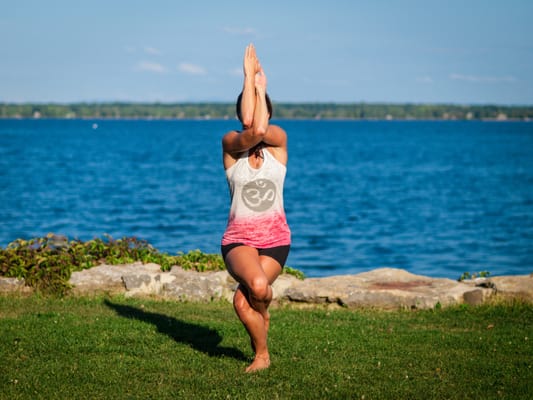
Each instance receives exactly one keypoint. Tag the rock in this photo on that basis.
(282, 284)
(514, 286)
(199, 286)
(382, 288)
(146, 282)
(474, 297)
(108, 278)
(13, 285)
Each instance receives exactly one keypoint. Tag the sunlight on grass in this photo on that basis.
(125, 348)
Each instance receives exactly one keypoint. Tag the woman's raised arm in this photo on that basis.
(254, 112)
(251, 67)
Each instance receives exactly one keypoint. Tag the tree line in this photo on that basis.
(206, 110)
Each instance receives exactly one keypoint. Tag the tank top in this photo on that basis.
(257, 217)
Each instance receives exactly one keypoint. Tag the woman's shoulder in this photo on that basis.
(277, 128)
(230, 134)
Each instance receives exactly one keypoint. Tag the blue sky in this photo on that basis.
(465, 52)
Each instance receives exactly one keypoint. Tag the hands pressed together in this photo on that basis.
(253, 69)
(254, 111)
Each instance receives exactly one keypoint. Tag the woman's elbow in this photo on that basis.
(260, 131)
(247, 121)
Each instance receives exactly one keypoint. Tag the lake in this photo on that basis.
(437, 198)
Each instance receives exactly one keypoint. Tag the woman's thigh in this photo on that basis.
(244, 265)
(270, 267)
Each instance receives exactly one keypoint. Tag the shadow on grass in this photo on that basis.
(199, 337)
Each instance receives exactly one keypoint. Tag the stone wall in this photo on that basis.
(384, 288)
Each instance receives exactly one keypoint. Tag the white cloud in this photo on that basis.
(325, 82)
(482, 79)
(191, 69)
(151, 67)
(152, 51)
(240, 31)
(424, 79)
(236, 72)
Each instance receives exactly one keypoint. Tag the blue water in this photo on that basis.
(435, 198)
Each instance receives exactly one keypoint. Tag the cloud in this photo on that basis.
(326, 82)
(151, 67)
(424, 79)
(482, 79)
(240, 31)
(152, 51)
(236, 71)
(191, 69)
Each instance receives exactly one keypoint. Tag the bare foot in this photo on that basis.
(259, 363)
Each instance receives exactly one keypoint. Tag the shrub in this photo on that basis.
(47, 263)
(467, 275)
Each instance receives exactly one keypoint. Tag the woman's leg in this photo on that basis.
(241, 300)
(272, 270)
(253, 297)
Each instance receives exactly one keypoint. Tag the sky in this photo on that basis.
(403, 51)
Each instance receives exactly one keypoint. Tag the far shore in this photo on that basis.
(297, 111)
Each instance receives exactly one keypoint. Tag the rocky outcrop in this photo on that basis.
(110, 278)
(148, 280)
(13, 285)
(384, 288)
(520, 287)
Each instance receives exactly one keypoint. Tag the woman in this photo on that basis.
(256, 242)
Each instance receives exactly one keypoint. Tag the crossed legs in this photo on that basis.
(255, 275)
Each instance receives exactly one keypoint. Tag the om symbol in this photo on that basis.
(259, 195)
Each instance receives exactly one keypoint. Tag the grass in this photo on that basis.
(117, 348)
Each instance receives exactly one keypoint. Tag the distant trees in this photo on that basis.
(281, 110)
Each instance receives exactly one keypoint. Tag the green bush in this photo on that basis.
(198, 261)
(47, 263)
(467, 275)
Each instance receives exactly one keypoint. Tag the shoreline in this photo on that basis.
(382, 288)
(219, 119)
(283, 110)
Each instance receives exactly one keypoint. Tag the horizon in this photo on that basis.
(384, 52)
(338, 103)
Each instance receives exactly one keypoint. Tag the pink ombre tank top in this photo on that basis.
(257, 217)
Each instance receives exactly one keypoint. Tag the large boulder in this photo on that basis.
(13, 285)
(386, 288)
(109, 278)
(514, 286)
(199, 286)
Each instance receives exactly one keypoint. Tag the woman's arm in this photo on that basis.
(270, 134)
(261, 116)
(236, 142)
(250, 67)
(255, 128)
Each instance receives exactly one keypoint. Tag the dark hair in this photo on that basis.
(238, 106)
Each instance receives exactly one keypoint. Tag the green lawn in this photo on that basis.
(116, 348)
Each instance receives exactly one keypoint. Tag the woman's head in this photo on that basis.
(238, 106)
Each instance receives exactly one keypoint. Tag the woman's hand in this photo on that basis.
(260, 80)
(250, 66)
(251, 63)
